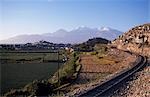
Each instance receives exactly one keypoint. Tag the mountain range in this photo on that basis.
(77, 35)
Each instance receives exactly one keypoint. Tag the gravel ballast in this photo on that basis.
(139, 86)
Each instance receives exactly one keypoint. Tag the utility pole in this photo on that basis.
(58, 70)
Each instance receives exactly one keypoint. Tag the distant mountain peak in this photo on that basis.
(77, 35)
(61, 30)
(104, 28)
(81, 28)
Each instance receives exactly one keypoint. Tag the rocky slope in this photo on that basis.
(138, 87)
(135, 40)
(141, 86)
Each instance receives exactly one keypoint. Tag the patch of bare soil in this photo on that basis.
(97, 69)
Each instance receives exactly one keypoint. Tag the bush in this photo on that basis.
(94, 53)
(66, 72)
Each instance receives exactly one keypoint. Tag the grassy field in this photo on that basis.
(29, 57)
(67, 73)
(17, 75)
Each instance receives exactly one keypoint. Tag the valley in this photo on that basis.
(88, 65)
(74, 48)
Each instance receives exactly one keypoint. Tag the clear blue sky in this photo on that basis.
(44, 16)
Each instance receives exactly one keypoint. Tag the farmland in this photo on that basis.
(97, 66)
(67, 73)
(21, 67)
(29, 57)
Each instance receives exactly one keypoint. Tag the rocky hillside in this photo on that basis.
(136, 40)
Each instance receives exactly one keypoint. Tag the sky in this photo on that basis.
(19, 17)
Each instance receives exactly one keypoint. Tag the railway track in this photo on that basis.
(109, 86)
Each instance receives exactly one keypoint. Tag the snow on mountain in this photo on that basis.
(104, 29)
(57, 33)
(108, 33)
(77, 35)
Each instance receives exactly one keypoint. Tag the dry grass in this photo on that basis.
(100, 62)
(99, 59)
(105, 60)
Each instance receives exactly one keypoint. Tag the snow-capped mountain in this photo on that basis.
(108, 33)
(77, 35)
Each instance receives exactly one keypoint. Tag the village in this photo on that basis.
(41, 45)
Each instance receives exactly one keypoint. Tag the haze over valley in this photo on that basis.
(78, 35)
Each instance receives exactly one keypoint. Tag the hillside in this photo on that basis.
(136, 40)
(89, 45)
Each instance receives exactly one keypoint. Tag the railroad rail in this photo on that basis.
(106, 88)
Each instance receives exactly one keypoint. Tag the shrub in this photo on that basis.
(66, 72)
(94, 53)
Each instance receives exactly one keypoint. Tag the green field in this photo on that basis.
(17, 75)
(36, 65)
(29, 57)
